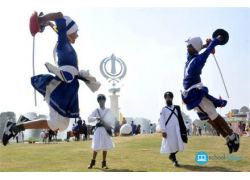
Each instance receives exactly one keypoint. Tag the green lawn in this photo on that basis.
(137, 153)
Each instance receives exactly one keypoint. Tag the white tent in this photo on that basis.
(125, 129)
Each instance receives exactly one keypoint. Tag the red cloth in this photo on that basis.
(34, 25)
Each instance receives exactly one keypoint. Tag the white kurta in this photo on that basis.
(101, 140)
(173, 142)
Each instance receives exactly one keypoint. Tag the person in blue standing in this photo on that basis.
(133, 126)
(196, 95)
(60, 91)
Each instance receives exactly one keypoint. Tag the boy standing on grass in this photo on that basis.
(102, 136)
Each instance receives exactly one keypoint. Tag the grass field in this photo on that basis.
(131, 154)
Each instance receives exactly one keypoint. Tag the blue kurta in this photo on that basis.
(64, 97)
(192, 72)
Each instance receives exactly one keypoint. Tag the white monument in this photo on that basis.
(113, 69)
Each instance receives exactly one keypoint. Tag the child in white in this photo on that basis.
(102, 136)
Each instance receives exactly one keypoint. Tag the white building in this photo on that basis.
(146, 125)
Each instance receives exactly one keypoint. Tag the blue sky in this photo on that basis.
(149, 40)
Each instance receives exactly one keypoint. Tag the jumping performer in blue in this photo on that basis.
(60, 91)
(196, 95)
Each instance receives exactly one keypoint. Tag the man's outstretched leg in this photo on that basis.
(222, 127)
(11, 129)
(207, 109)
(217, 127)
(233, 139)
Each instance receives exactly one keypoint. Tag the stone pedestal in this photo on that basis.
(114, 102)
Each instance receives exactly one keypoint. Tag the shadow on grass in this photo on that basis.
(117, 170)
(207, 168)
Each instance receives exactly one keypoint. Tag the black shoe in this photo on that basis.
(104, 165)
(233, 145)
(92, 163)
(22, 119)
(229, 145)
(8, 133)
(236, 142)
(170, 158)
(176, 164)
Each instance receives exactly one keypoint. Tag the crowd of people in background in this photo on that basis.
(82, 131)
(241, 127)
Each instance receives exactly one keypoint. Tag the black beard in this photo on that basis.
(169, 103)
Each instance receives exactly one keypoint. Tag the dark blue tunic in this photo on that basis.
(64, 98)
(192, 72)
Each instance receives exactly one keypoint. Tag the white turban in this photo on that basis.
(196, 42)
(70, 25)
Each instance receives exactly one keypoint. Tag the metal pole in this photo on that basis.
(33, 66)
(221, 75)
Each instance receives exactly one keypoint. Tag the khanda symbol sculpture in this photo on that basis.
(113, 69)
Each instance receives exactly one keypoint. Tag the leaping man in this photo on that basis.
(196, 95)
(60, 91)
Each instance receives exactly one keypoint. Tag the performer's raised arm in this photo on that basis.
(44, 20)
